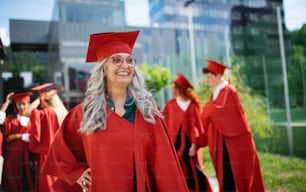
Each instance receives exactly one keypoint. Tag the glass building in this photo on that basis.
(99, 12)
(246, 30)
(222, 30)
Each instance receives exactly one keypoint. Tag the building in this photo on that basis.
(218, 27)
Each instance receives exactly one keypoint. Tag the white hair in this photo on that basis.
(94, 107)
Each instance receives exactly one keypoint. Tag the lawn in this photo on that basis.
(280, 173)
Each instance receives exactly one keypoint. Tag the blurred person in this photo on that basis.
(183, 120)
(115, 140)
(45, 121)
(19, 167)
(231, 145)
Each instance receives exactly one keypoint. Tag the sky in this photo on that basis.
(136, 13)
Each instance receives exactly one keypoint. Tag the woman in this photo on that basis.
(115, 140)
(182, 115)
(44, 124)
(18, 172)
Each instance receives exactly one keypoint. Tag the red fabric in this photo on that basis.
(215, 67)
(183, 82)
(224, 119)
(103, 45)
(184, 128)
(112, 153)
(16, 158)
(22, 97)
(44, 125)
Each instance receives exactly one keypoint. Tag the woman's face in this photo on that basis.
(23, 108)
(119, 69)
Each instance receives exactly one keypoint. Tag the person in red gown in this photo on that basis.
(183, 120)
(115, 140)
(18, 168)
(45, 121)
(231, 145)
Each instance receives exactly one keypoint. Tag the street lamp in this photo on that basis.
(191, 39)
(285, 79)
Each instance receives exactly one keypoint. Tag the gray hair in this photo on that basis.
(94, 107)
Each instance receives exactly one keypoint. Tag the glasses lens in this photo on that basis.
(130, 61)
(119, 61)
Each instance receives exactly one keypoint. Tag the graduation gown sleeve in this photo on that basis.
(44, 124)
(66, 158)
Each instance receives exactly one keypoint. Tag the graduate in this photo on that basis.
(18, 173)
(231, 145)
(183, 119)
(115, 140)
(45, 121)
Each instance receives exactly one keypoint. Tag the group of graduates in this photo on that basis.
(118, 138)
(26, 135)
(221, 125)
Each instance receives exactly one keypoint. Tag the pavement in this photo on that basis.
(214, 183)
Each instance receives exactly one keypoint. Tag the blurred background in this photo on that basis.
(46, 41)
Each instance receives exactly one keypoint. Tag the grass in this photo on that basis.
(280, 173)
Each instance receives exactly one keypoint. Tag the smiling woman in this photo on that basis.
(115, 140)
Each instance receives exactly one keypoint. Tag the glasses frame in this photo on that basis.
(119, 64)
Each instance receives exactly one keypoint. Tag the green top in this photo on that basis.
(129, 106)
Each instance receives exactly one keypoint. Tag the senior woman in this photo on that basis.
(115, 140)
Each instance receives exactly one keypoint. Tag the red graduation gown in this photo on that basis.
(44, 125)
(184, 128)
(17, 174)
(124, 157)
(225, 121)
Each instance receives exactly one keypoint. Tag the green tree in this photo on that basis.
(156, 77)
(296, 75)
(299, 37)
(27, 61)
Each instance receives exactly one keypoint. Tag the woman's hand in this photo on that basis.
(13, 137)
(85, 179)
(192, 150)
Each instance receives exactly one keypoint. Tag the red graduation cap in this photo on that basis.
(22, 97)
(103, 45)
(182, 82)
(45, 87)
(215, 67)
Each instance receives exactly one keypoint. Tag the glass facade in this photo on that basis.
(102, 12)
(223, 29)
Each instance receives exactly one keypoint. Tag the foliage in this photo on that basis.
(296, 75)
(156, 77)
(38, 71)
(299, 38)
(279, 173)
(252, 103)
(26, 61)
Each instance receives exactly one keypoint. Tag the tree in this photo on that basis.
(299, 37)
(156, 77)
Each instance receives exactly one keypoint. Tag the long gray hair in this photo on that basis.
(94, 107)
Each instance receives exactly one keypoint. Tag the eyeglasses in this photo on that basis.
(118, 61)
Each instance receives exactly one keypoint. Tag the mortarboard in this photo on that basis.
(45, 87)
(182, 82)
(214, 67)
(22, 97)
(103, 45)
